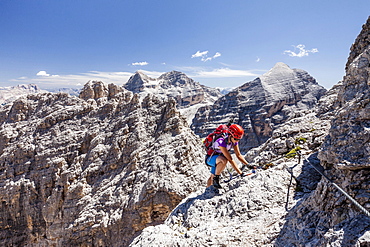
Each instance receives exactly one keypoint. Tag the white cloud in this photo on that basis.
(204, 57)
(223, 72)
(140, 64)
(258, 59)
(302, 51)
(199, 54)
(217, 55)
(45, 80)
(42, 73)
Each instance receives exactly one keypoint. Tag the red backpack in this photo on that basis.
(220, 131)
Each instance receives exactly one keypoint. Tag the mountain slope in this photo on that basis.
(188, 94)
(345, 155)
(291, 204)
(262, 104)
(94, 170)
(248, 212)
(348, 143)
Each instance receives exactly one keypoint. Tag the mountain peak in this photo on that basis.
(280, 65)
(280, 70)
(30, 87)
(142, 76)
(137, 81)
(264, 103)
(174, 76)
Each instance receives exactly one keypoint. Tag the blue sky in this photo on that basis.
(218, 43)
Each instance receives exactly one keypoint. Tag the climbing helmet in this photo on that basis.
(236, 131)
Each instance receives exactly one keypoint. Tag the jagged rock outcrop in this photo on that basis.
(307, 131)
(8, 94)
(188, 94)
(327, 217)
(348, 143)
(250, 211)
(261, 105)
(94, 170)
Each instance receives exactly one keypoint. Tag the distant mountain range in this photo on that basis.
(8, 94)
(260, 106)
(225, 90)
(70, 91)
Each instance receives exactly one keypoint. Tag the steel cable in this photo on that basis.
(364, 210)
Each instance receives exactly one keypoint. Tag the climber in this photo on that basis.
(221, 155)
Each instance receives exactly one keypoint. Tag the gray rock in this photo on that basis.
(261, 105)
(94, 170)
(348, 143)
(265, 209)
(331, 219)
(246, 212)
(188, 94)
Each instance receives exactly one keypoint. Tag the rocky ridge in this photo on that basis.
(328, 216)
(348, 142)
(248, 212)
(252, 211)
(94, 170)
(291, 204)
(70, 91)
(261, 105)
(188, 94)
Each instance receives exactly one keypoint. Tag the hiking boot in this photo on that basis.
(216, 182)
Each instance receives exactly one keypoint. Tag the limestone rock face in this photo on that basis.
(327, 216)
(307, 131)
(94, 170)
(288, 204)
(291, 204)
(247, 212)
(348, 143)
(175, 84)
(188, 94)
(261, 105)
